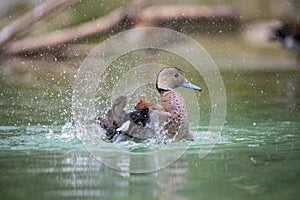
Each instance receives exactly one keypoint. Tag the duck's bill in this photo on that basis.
(187, 84)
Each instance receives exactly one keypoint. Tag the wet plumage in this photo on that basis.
(170, 113)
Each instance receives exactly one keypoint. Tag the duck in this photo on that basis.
(167, 118)
(289, 35)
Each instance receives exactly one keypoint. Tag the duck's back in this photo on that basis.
(177, 123)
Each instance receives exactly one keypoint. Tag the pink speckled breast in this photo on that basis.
(177, 124)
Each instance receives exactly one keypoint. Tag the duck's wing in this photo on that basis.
(118, 106)
(140, 117)
(133, 125)
(142, 104)
(108, 125)
(114, 118)
(119, 124)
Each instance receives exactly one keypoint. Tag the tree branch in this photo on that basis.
(135, 14)
(38, 13)
(115, 21)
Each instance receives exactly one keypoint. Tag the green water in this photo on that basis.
(257, 156)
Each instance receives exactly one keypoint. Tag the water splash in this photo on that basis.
(39, 138)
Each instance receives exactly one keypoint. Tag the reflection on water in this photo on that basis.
(257, 157)
(49, 162)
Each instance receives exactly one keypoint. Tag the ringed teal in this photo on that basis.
(170, 113)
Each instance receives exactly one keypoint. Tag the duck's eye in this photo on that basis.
(176, 75)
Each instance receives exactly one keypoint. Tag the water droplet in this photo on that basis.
(253, 160)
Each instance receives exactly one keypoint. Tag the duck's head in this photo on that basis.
(170, 78)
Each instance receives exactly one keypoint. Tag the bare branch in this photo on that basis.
(60, 38)
(187, 17)
(135, 14)
(40, 12)
(115, 21)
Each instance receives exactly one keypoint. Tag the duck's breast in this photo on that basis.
(177, 122)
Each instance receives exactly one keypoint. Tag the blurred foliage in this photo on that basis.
(87, 10)
(92, 9)
(250, 9)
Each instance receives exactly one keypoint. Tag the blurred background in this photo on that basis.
(44, 42)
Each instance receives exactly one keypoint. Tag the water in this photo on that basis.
(257, 156)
